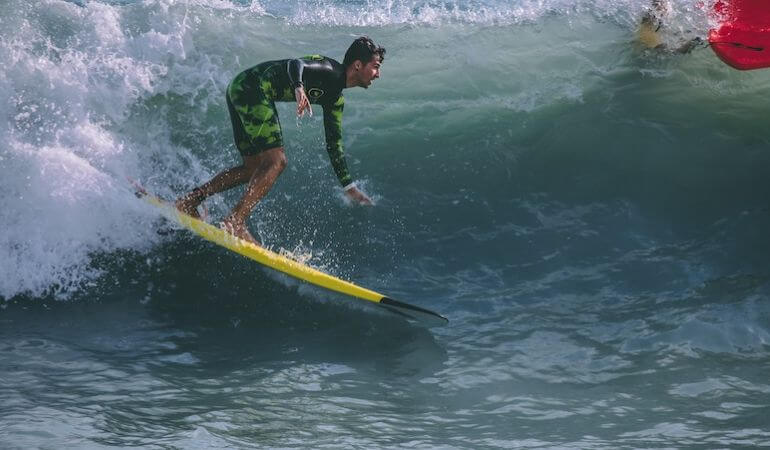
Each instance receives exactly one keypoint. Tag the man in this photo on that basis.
(649, 33)
(251, 98)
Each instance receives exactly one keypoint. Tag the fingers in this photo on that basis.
(360, 197)
(363, 199)
(303, 104)
(366, 202)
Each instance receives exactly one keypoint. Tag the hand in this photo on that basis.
(358, 196)
(303, 104)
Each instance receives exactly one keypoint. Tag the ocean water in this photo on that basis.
(591, 217)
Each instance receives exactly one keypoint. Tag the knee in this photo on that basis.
(279, 161)
(271, 160)
(276, 162)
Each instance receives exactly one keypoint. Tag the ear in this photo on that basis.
(357, 64)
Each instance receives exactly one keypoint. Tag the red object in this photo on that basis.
(742, 39)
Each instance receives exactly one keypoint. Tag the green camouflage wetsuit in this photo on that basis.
(252, 94)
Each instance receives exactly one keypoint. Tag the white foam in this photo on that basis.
(70, 76)
(378, 13)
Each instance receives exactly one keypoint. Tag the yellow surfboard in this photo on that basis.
(289, 266)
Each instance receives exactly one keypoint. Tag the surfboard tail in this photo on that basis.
(424, 316)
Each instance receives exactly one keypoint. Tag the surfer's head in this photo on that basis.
(362, 62)
(654, 16)
(659, 7)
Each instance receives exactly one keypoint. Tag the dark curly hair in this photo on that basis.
(363, 49)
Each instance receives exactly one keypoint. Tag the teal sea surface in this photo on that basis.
(590, 215)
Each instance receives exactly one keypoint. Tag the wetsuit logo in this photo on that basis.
(315, 93)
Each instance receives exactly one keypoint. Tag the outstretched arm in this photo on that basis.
(333, 130)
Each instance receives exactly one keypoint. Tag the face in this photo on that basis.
(660, 6)
(366, 73)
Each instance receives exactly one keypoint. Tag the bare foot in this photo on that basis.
(188, 203)
(239, 230)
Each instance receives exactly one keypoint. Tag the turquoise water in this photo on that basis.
(589, 215)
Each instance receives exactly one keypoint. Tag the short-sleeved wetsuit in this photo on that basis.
(252, 94)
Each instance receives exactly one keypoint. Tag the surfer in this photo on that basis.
(251, 98)
(649, 33)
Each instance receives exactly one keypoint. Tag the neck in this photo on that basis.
(350, 77)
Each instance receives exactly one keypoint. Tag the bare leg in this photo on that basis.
(223, 181)
(267, 166)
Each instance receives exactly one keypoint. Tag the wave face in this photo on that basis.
(589, 214)
(485, 101)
